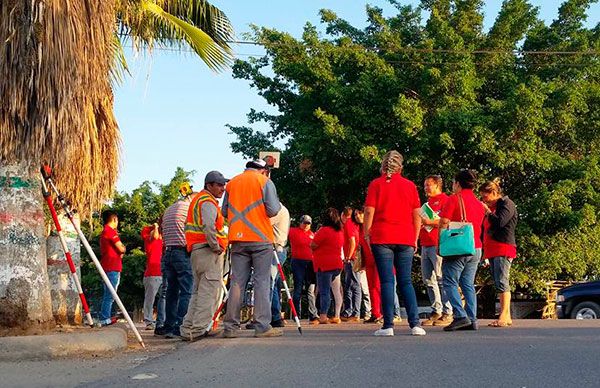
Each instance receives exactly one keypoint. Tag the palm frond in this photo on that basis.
(216, 57)
(119, 67)
(205, 16)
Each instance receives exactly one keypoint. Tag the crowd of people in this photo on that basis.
(352, 267)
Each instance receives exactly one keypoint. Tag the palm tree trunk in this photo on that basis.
(24, 293)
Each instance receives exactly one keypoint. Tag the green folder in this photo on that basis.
(427, 212)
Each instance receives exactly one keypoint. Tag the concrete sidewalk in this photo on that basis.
(78, 342)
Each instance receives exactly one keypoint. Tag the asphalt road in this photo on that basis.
(532, 353)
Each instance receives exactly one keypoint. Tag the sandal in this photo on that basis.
(499, 324)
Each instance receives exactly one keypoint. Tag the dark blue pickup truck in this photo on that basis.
(579, 301)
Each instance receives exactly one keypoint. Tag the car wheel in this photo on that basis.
(586, 310)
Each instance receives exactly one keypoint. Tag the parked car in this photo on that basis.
(579, 301)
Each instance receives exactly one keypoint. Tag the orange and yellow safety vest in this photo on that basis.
(194, 226)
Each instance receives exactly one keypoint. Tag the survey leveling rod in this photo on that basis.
(287, 291)
(65, 248)
(47, 176)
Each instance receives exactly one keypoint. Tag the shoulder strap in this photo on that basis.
(463, 212)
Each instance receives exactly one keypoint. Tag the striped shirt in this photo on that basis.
(173, 223)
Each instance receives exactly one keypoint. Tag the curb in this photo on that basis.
(61, 345)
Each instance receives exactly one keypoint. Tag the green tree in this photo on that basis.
(448, 95)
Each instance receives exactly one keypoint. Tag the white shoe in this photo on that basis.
(417, 330)
(389, 332)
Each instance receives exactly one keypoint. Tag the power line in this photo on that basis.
(395, 62)
(449, 51)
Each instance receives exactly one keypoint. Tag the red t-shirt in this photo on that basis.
(473, 208)
(300, 241)
(394, 203)
(431, 239)
(350, 230)
(493, 248)
(328, 254)
(110, 258)
(153, 249)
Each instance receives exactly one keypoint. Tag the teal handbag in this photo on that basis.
(459, 238)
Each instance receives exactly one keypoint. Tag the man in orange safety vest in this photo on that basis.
(206, 241)
(250, 200)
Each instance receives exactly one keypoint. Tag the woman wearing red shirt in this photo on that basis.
(328, 246)
(499, 244)
(391, 226)
(303, 273)
(461, 270)
(152, 276)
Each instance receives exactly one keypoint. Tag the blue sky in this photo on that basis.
(172, 111)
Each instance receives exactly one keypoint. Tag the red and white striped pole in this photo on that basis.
(213, 322)
(287, 292)
(47, 176)
(63, 243)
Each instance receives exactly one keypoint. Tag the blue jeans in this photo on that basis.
(352, 292)
(324, 280)
(177, 268)
(107, 299)
(276, 287)
(431, 269)
(161, 304)
(388, 257)
(302, 271)
(460, 271)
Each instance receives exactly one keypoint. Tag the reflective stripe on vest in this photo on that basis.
(195, 228)
(248, 220)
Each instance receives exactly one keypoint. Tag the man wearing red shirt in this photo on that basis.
(152, 275)
(431, 263)
(111, 258)
(303, 272)
(352, 292)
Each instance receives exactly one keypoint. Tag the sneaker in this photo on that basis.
(229, 334)
(457, 324)
(432, 319)
(389, 332)
(314, 321)
(473, 326)
(351, 319)
(271, 332)
(173, 334)
(324, 321)
(445, 320)
(249, 326)
(192, 337)
(397, 319)
(150, 326)
(374, 320)
(112, 321)
(334, 320)
(418, 331)
(160, 331)
(279, 323)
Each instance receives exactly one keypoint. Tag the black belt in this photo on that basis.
(176, 248)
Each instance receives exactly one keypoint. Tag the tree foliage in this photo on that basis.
(448, 95)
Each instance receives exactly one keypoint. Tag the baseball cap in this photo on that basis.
(258, 164)
(305, 219)
(215, 177)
